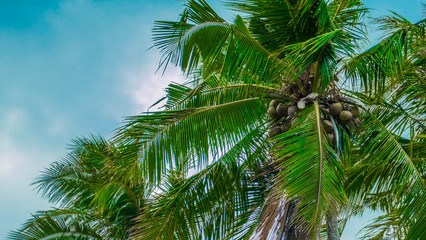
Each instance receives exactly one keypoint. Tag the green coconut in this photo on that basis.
(274, 131)
(328, 126)
(356, 111)
(336, 108)
(292, 111)
(345, 116)
(285, 127)
(272, 112)
(282, 109)
(273, 103)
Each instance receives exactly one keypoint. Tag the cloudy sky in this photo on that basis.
(73, 67)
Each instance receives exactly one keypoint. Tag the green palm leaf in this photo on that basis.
(373, 67)
(391, 169)
(213, 203)
(311, 170)
(61, 225)
(188, 45)
(210, 122)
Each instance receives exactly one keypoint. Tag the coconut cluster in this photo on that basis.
(339, 112)
(344, 112)
(282, 113)
(336, 110)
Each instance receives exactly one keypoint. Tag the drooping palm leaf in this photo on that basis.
(311, 170)
(392, 171)
(373, 67)
(61, 225)
(220, 46)
(94, 203)
(211, 204)
(212, 120)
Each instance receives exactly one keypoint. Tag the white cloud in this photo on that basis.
(62, 77)
(17, 155)
(12, 165)
(147, 86)
(21, 160)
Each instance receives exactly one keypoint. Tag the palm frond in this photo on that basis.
(311, 170)
(69, 180)
(80, 181)
(322, 50)
(164, 138)
(384, 227)
(213, 203)
(221, 47)
(393, 172)
(61, 225)
(374, 68)
(212, 91)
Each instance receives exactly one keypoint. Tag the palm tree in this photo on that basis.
(323, 155)
(282, 131)
(91, 206)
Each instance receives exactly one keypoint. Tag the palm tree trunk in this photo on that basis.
(291, 231)
(332, 227)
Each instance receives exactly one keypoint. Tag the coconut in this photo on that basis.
(292, 110)
(274, 131)
(282, 109)
(285, 127)
(273, 103)
(328, 126)
(336, 108)
(272, 112)
(345, 116)
(355, 111)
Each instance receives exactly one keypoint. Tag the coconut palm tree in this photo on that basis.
(323, 153)
(284, 130)
(90, 204)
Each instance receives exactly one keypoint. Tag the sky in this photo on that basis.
(69, 68)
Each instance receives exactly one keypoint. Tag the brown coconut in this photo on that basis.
(282, 109)
(274, 131)
(272, 112)
(285, 127)
(292, 111)
(273, 103)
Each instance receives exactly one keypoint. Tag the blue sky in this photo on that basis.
(73, 67)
